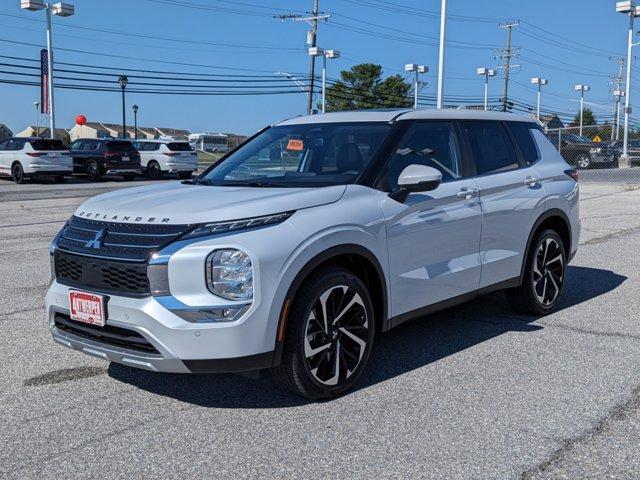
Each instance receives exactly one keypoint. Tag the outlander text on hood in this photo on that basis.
(307, 242)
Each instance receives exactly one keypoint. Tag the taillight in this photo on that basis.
(171, 154)
(35, 154)
(111, 154)
(573, 173)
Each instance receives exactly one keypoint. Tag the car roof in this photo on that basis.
(389, 115)
(158, 140)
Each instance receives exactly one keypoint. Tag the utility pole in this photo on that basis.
(443, 34)
(312, 20)
(506, 55)
(617, 90)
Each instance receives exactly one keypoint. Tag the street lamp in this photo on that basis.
(628, 8)
(486, 72)
(135, 121)
(61, 10)
(540, 82)
(412, 67)
(581, 89)
(321, 52)
(123, 80)
(36, 106)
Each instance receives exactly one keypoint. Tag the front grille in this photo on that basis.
(109, 334)
(108, 276)
(125, 241)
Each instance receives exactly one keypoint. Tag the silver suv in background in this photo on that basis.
(22, 158)
(303, 245)
(158, 157)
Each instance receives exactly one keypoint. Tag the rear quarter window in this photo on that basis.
(524, 138)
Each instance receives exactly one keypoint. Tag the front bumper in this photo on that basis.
(181, 347)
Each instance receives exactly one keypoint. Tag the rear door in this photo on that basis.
(433, 237)
(511, 194)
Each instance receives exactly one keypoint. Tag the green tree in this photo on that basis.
(588, 118)
(363, 88)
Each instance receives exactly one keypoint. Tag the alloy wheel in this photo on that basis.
(584, 161)
(548, 272)
(336, 334)
(18, 174)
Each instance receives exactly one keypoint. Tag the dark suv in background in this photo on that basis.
(96, 157)
(583, 153)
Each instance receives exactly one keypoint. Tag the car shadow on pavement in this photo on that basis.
(401, 350)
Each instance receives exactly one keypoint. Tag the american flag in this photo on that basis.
(44, 81)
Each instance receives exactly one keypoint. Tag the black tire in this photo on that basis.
(544, 276)
(17, 173)
(583, 161)
(60, 179)
(93, 171)
(129, 177)
(313, 375)
(154, 171)
(185, 175)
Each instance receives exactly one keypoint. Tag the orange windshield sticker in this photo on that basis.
(295, 144)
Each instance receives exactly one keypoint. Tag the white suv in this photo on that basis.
(313, 237)
(22, 158)
(158, 157)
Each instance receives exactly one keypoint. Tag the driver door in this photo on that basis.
(434, 236)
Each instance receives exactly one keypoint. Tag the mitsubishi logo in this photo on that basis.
(98, 240)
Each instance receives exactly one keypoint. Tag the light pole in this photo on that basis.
(123, 80)
(581, 89)
(616, 119)
(321, 52)
(417, 69)
(628, 8)
(36, 106)
(62, 10)
(443, 34)
(135, 121)
(540, 82)
(486, 72)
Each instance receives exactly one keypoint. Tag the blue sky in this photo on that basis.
(566, 41)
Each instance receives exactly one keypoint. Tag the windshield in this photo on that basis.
(305, 155)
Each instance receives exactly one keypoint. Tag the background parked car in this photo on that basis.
(158, 157)
(30, 157)
(633, 149)
(582, 152)
(97, 157)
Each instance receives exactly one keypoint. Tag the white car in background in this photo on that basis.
(158, 157)
(22, 158)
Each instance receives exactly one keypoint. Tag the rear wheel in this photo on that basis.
(329, 335)
(17, 173)
(544, 276)
(153, 170)
(93, 171)
(185, 175)
(583, 161)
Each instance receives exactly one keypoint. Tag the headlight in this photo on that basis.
(595, 150)
(230, 274)
(228, 226)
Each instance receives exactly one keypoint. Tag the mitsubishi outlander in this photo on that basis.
(303, 245)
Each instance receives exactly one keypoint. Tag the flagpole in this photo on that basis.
(52, 118)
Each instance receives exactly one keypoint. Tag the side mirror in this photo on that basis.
(416, 178)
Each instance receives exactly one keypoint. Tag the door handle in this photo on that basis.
(467, 193)
(531, 181)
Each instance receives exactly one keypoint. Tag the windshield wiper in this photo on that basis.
(262, 184)
(197, 181)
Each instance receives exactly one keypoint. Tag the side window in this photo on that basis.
(426, 143)
(524, 139)
(3, 145)
(137, 145)
(76, 146)
(92, 146)
(16, 144)
(490, 146)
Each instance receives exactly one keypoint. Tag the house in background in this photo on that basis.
(88, 130)
(172, 133)
(551, 120)
(32, 131)
(5, 132)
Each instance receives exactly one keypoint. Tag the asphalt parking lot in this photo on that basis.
(472, 392)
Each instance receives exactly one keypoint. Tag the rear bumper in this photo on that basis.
(172, 167)
(122, 171)
(49, 173)
(35, 170)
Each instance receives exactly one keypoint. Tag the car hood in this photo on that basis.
(177, 203)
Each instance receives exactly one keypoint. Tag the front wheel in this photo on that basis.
(583, 161)
(153, 170)
(17, 173)
(544, 276)
(93, 171)
(329, 335)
